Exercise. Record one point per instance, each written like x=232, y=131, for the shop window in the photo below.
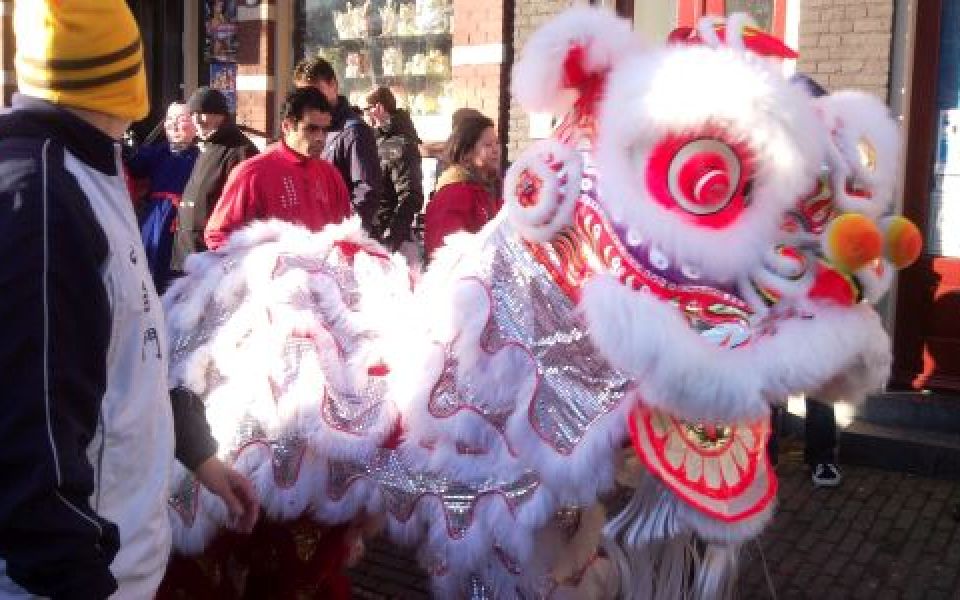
x=770, y=15
x=656, y=19
x=760, y=10
x=402, y=44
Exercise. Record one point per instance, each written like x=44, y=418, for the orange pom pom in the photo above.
x=903, y=241
x=851, y=242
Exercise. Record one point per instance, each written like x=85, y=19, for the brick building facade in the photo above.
x=847, y=44
x=480, y=55
x=528, y=16
x=256, y=65
x=842, y=44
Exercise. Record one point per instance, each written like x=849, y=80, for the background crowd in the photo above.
x=94, y=229
x=201, y=178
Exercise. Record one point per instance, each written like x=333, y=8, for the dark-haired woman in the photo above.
x=468, y=190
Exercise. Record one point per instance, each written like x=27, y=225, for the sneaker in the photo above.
x=826, y=475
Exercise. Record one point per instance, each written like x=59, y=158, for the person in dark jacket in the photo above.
x=88, y=430
x=468, y=191
x=166, y=164
x=351, y=144
x=222, y=147
x=398, y=146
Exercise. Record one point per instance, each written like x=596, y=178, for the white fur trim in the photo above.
x=683, y=374
x=537, y=81
x=854, y=116
x=876, y=285
x=663, y=93
x=557, y=197
x=734, y=30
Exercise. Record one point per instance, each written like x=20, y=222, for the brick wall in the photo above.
x=478, y=56
x=8, y=81
x=528, y=15
x=256, y=41
x=846, y=43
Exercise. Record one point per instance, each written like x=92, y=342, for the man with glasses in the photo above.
x=166, y=165
x=287, y=181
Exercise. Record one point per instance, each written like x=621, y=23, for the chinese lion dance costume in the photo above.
x=699, y=239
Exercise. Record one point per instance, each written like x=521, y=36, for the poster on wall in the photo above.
x=220, y=23
x=223, y=77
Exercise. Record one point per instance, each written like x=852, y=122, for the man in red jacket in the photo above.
x=286, y=182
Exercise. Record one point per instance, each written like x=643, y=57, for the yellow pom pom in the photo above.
x=851, y=241
x=903, y=241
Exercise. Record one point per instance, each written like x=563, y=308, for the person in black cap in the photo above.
x=222, y=147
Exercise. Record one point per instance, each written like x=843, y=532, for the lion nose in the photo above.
x=903, y=241
x=852, y=241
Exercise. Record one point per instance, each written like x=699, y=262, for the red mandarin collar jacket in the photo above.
x=279, y=184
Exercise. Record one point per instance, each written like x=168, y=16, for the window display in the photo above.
x=402, y=44
x=760, y=10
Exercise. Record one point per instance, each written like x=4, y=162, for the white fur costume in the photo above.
x=647, y=278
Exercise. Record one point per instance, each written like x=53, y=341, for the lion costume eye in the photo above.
x=703, y=177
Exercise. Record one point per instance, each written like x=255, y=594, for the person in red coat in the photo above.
x=289, y=181
x=468, y=190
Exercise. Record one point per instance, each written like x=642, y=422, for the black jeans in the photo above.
x=820, y=433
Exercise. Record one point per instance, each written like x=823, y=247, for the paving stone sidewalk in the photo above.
x=881, y=534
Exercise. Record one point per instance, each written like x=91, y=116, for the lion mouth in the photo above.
x=595, y=246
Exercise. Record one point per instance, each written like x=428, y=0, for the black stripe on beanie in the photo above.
x=76, y=64
x=81, y=84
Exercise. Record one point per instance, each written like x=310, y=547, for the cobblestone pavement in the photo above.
x=881, y=535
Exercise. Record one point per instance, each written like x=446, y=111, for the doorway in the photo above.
x=161, y=28
x=927, y=331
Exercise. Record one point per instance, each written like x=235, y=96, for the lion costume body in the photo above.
x=698, y=240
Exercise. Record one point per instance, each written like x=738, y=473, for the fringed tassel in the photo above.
x=717, y=575
x=660, y=557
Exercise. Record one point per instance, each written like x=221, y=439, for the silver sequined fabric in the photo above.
x=184, y=343
x=355, y=412
x=185, y=499
x=403, y=485
x=287, y=456
x=577, y=385
x=452, y=393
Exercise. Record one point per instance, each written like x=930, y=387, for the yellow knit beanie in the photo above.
x=81, y=53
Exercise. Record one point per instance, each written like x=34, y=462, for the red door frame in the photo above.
x=925, y=334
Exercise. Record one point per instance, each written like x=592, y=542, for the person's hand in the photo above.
x=234, y=489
